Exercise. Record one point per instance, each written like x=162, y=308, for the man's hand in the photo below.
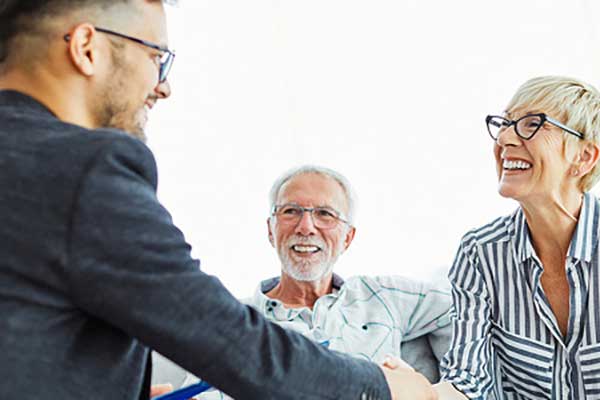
x=405, y=383
x=157, y=390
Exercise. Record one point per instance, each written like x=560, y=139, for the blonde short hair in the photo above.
x=574, y=103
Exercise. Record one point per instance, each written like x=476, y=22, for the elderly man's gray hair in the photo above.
x=314, y=169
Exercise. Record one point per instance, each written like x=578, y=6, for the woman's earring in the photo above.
x=575, y=172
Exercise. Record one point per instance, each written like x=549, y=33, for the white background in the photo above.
x=392, y=94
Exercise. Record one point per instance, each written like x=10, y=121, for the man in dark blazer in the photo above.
x=93, y=272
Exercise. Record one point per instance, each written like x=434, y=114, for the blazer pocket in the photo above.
x=525, y=364
x=589, y=359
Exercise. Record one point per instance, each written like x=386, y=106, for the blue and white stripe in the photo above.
x=506, y=342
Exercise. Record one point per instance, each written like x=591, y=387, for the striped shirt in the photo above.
x=506, y=341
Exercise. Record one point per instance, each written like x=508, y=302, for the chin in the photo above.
x=133, y=125
x=509, y=192
x=139, y=126
x=307, y=272
x=506, y=191
x=139, y=133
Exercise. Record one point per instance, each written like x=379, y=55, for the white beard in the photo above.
x=307, y=271
x=304, y=271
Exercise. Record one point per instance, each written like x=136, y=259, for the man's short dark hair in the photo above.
x=20, y=16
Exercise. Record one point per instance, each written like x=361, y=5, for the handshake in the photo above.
x=406, y=384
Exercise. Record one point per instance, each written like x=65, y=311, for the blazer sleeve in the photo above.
x=468, y=365
x=129, y=266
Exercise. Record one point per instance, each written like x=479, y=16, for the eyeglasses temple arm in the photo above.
x=564, y=127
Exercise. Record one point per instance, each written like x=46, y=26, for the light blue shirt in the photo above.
x=367, y=317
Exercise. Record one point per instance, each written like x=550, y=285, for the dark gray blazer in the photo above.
x=93, y=273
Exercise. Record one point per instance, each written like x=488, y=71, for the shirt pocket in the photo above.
x=589, y=360
x=525, y=364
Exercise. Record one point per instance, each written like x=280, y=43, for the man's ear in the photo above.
x=83, y=48
x=271, y=240
x=587, y=157
x=349, y=237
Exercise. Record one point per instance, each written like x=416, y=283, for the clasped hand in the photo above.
x=405, y=383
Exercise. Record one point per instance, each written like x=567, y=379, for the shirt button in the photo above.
x=273, y=304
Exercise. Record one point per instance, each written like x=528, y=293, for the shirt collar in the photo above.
x=584, y=240
x=269, y=284
x=520, y=231
x=267, y=305
x=22, y=102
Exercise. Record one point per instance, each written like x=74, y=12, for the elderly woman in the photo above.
x=526, y=287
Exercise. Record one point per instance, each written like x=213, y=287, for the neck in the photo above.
x=552, y=222
x=297, y=294
x=59, y=95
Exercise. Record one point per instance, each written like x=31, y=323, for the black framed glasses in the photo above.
x=167, y=57
x=525, y=127
x=322, y=217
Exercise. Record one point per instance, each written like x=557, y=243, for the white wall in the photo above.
x=392, y=94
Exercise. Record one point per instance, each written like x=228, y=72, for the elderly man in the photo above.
x=93, y=271
x=310, y=226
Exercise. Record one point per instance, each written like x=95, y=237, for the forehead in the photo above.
x=313, y=190
x=531, y=103
x=518, y=112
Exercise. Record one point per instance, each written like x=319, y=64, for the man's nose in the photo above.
x=163, y=89
x=306, y=225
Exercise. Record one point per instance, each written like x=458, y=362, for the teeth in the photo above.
x=506, y=164
x=305, y=249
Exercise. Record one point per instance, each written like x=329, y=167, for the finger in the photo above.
x=157, y=390
x=392, y=362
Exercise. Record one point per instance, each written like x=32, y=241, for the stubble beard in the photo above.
x=113, y=110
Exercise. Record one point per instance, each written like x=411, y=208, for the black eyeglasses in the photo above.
x=525, y=127
x=323, y=217
x=167, y=57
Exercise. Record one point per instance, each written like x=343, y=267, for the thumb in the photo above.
x=157, y=390
x=392, y=362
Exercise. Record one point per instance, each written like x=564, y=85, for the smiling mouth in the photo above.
x=515, y=165
x=305, y=248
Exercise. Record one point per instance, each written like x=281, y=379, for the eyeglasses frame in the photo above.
x=544, y=118
x=310, y=210
x=164, y=67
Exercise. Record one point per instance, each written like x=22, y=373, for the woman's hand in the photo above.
x=446, y=391
x=404, y=382
x=392, y=362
